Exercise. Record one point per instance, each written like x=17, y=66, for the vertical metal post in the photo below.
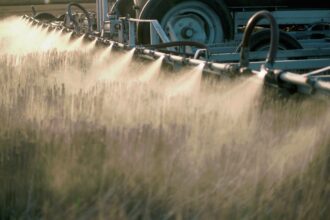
x=131, y=33
x=121, y=37
x=154, y=39
x=102, y=13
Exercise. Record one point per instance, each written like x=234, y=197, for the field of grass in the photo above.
x=38, y=2
x=76, y=143
x=55, y=9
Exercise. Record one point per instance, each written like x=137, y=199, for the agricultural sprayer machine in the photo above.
x=288, y=45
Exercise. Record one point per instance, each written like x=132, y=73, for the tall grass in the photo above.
x=73, y=146
x=35, y=2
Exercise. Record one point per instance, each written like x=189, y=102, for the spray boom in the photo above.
x=109, y=28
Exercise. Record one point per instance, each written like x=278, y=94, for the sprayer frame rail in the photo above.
x=308, y=83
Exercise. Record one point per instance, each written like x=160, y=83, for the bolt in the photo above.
x=187, y=33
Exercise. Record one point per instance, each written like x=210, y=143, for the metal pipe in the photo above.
x=101, y=13
x=324, y=86
x=301, y=80
x=294, y=78
x=318, y=71
x=195, y=62
x=176, y=58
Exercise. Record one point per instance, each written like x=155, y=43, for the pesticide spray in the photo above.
x=216, y=138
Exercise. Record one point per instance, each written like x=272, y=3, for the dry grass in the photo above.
x=19, y=7
x=76, y=147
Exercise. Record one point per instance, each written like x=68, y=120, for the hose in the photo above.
x=274, y=40
x=75, y=23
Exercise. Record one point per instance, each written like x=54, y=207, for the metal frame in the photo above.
x=284, y=16
x=308, y=83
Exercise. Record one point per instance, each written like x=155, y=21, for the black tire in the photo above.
x=261, y=39
x=157, y=9
x=126, y=7
x=44, y=16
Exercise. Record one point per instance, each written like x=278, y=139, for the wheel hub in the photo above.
x=187, y=27
x=187, y=32
x=193, y=21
